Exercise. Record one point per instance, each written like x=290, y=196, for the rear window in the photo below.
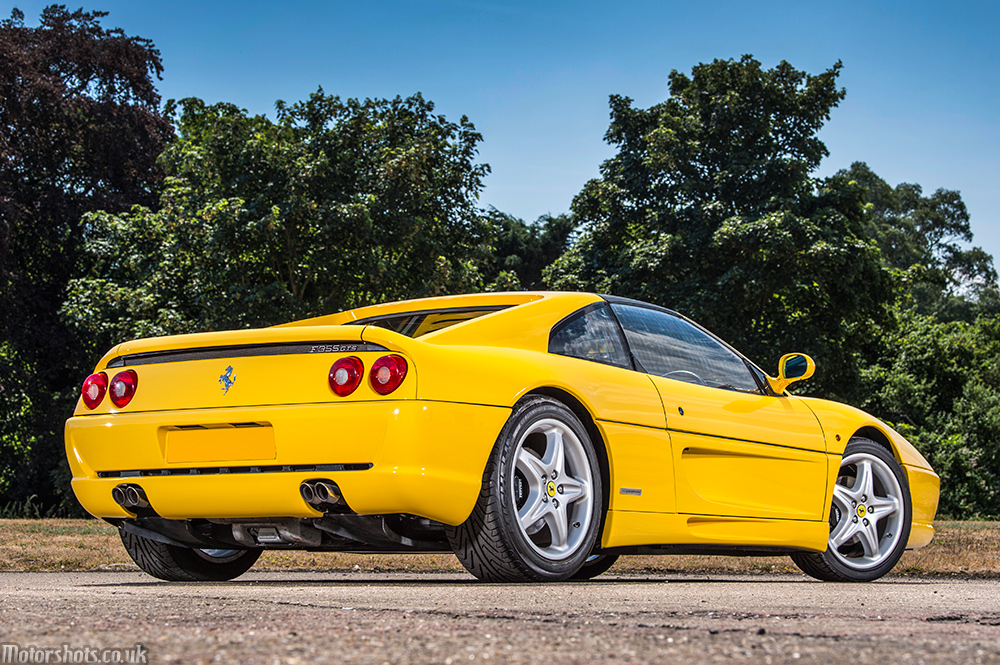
x=417, y=324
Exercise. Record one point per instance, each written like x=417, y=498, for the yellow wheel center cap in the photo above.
x=862, y=511
x=551, y=488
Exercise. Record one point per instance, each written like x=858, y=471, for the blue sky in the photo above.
x=922, y=78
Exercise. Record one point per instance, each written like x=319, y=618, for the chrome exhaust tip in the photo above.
x=136, y=497
x=129, y=497
x=320, y=493
x=327, y=492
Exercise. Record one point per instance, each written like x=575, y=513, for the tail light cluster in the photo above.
x=94, y=389
x=386, y=374
x=122, y=388
x=345, y=375
x=119, y=390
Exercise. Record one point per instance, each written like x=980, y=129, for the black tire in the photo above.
x=184, y=564
x=596, y=564
x=527, y=526
x=862, y=548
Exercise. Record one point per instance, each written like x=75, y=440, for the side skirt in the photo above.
x=635, y=529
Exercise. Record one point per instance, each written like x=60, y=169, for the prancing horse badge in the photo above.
x=227, y=379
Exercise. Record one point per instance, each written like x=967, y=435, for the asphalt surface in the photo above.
x=365, y=617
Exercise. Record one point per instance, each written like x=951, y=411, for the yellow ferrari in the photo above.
x=538, y=436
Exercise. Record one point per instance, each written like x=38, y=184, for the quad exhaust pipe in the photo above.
x=129, y=497
x=320, y=493
x=317, y=493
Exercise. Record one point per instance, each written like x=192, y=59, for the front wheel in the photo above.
x=869, y=519
x=184, y=564
x=539, y=510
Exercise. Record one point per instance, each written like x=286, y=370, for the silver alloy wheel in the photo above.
x=553, y=489
x=867, y=515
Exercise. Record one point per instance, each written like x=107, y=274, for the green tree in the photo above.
x=520, y=251
x=937, y=382
x=334, y=205
x=925, y=238
x=80, y=130
x=709, y=208
x=934, y=374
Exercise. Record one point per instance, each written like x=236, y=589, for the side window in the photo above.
x=590, y=334
x=669, y=346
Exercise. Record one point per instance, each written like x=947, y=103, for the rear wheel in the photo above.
x=869, y=519
x=184, y=564
x=539, y=510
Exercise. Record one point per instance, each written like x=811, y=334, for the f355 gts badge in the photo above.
x=227, y=379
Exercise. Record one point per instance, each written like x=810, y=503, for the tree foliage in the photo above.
x=520, y=252
x=925, y=238
x=709, y=208
x=934, y=374
x=336, y=204
x=937, y=382
x=80, y=130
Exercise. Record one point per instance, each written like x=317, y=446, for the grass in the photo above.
x=966, y=549
x=32, y=508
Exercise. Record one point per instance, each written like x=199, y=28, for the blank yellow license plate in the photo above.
x=220, y=444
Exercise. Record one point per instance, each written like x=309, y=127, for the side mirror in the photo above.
x=791, y=368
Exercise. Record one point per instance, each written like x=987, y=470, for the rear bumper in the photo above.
x=426, y=458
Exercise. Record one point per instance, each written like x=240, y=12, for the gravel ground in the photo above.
x=449, y=618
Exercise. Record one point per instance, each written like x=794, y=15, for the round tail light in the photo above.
x=345, y=375
x=387, y=373
x=94, y=389
x=122, y=388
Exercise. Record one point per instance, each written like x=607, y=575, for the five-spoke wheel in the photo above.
x=552, y=488
x=539, y=511
x=869, y=517
x=867, y=514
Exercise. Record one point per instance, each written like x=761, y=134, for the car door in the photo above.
x=737, y=450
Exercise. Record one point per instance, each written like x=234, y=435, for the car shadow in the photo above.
x=425, y=579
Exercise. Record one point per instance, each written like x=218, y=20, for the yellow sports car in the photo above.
x=537, y=435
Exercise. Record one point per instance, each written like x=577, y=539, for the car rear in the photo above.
x=231, y=425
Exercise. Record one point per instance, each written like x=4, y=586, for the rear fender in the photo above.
x=456, y=374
